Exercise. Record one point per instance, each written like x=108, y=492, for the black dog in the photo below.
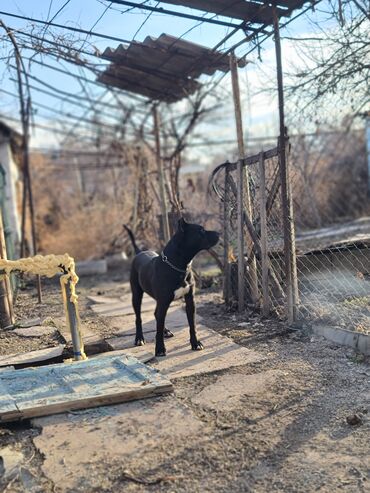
x=167, y=277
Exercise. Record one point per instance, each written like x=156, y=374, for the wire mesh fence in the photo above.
x=329, y=193
x=332, y=240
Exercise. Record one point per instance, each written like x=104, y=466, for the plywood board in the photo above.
x=64, y=387
x=181, y=361
x=32, y=356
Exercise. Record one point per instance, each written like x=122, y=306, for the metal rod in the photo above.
x=25, y=112
x=162, y=191
x=226, y=286
x=242, y=178
x=264, y=252
x=73, y=321
x=288, y=225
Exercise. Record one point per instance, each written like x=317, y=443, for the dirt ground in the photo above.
x=279, y=424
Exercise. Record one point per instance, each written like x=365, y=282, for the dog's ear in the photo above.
x=181, y=225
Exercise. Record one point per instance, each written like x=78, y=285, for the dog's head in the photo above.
x=193, y=238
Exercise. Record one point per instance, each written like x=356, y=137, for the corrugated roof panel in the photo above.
x=165, y=68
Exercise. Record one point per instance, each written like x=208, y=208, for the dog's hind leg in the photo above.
x=137, y=297
x=190, y=313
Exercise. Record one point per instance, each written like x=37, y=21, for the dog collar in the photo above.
x=166, y=261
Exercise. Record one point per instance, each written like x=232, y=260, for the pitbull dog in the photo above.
x=167, y=277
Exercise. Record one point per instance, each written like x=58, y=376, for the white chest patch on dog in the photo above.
x=180, y=292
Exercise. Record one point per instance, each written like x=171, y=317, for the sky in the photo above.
x=259, y=109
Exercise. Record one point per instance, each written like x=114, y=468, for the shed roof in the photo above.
x=259, y=12
x=163, y=69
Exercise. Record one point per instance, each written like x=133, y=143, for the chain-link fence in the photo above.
x=329, y=190
x=332, y=235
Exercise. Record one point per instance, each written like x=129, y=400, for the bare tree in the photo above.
x=334, y=63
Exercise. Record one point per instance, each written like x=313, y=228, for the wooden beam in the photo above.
x=264, y=252
x=242, y=179
x=162, y=190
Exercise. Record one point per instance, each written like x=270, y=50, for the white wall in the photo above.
x=11, y=179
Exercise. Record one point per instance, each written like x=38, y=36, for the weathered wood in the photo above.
x=162, y=191
x=65, y=387
x=6, y=298
x=248, y=161
x=287, y=208
x=256, y=244
x=264, y=253
x=242, y=179
x=226, y=286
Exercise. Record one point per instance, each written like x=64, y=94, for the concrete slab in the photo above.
x=91, y=267
x=75, y=446
x=29, y=323
x=32, y=356
x=219, y=352
x=35, y=331
x=356, y=340
x=228, y=391
x=102, y=299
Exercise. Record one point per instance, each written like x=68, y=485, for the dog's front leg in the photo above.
x=160, y=316
x=190, y=313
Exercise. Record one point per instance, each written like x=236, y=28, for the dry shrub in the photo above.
x=329, y=179
x=86, y=234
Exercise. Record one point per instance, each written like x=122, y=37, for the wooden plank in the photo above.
x=64, y=387
x=161, y=177
x=32, y=357
x=256, y=244
x=242, y=180
x=264, y=253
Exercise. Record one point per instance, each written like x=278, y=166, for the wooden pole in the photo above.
x=162, y=190
x=242, y=178
x=226, y=287
x=288, y=224
x=264, y=252
x=6, y=296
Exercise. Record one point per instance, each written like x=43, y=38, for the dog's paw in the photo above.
x=197, y=346
x=160, y=351
x=168, y=333
x=139, y=341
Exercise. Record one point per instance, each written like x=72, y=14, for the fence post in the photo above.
x=241, y=179
x=6, y=298
x=264, y=252
x=162, y=190
x=289, y=235
x=226, y=286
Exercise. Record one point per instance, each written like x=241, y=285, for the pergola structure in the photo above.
x=165, y=69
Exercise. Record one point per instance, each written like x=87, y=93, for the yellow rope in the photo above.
x=46, y=265
x=49, y=266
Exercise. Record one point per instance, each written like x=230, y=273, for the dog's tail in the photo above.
x=132, y=238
